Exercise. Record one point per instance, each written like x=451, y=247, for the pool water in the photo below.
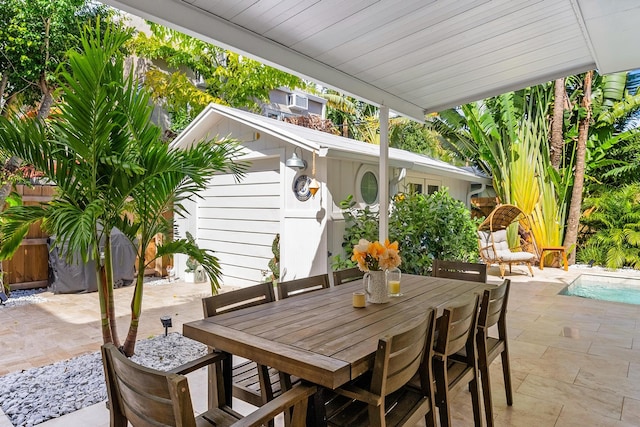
x=605, y=288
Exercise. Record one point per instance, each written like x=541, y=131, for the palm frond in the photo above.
x=205, y=257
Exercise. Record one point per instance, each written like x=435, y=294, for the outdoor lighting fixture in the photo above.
x=296, y=162
x=166, y=322
x=314, y=185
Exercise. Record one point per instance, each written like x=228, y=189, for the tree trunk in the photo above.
x=571, y=235
x=136, y=308
x=557, y=136
x=47, y=99
x=3, y=87
x=107, y=277
x=103, y=299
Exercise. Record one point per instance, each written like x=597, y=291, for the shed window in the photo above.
x=367, y=185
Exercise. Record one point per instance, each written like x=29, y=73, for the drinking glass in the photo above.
x=393, y=282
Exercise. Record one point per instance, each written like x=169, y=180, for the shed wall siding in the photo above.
x=240, y=220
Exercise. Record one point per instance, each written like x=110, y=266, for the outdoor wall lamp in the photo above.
x=166, y=322
x=296, y=162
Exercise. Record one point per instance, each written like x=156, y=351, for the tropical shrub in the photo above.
x=614, y=220
x=426, y=227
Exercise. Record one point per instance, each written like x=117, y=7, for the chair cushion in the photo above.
x=501, y=245
x=509, y=256
x=487, y=244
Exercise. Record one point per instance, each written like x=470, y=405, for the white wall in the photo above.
x=304, y=244
x=255, y=211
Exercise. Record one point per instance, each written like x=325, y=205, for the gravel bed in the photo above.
x=24, y=297
x=36, y=395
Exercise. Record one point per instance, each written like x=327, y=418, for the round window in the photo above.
x=369, y=187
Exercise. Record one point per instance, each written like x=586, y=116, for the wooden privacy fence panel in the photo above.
x=29, y=267
x=482, y=206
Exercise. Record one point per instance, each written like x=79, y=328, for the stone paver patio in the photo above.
x=575, y=362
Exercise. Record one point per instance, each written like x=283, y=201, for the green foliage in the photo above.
x=410, y=224
x=426, y=227
x=416, y=137
x=359, y=224
x=34, y=38
x=274, y=263
x=356, y=115
x=435, y=226
x=614, y=220
x=229, y=78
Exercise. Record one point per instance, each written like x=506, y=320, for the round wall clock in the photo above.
x=301, y=188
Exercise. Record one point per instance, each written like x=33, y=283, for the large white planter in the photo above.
x=195, y=276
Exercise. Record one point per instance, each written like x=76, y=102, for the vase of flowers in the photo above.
x=374, y=258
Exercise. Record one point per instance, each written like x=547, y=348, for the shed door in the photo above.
x=240, y=220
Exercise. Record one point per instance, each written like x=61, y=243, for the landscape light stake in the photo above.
x=166, y=322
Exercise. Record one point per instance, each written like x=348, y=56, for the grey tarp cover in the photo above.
x=77, y=276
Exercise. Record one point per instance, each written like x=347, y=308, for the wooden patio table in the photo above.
x=319, y=336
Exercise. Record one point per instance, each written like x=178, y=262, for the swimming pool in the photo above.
x=605, y=288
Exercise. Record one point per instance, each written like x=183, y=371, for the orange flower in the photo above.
x=375, y=255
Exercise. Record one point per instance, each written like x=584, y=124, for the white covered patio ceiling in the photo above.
x=414, y=56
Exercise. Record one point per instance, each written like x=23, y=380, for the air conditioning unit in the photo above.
x=298, y=102
x=200, y=82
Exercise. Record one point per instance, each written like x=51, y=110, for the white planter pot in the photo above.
x=195, y=276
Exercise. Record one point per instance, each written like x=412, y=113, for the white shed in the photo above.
x=239, y=220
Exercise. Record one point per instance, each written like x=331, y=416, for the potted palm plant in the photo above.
x=190, y=270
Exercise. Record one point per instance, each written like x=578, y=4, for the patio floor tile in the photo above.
x=574, y=361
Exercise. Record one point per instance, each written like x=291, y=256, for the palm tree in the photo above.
x=106, y=157
x=171, y=176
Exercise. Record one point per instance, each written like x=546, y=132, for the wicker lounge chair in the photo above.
x=493, y=244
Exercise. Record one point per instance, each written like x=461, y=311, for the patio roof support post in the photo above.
x=384, y=180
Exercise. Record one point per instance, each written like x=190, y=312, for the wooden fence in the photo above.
x=29, y=266
x=482, y=206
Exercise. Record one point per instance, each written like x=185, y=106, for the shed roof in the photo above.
x=324, y=144
x=415, y=56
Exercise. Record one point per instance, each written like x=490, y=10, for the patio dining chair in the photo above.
x=453, y=368
x=302, y=286
x=250, y=382
x=493, y=311
x=148, y=397
x=470, y=271
x=347, y=275
x=384, y=397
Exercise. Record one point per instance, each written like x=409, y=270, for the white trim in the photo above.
x=383, y=182
x=325, y=144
